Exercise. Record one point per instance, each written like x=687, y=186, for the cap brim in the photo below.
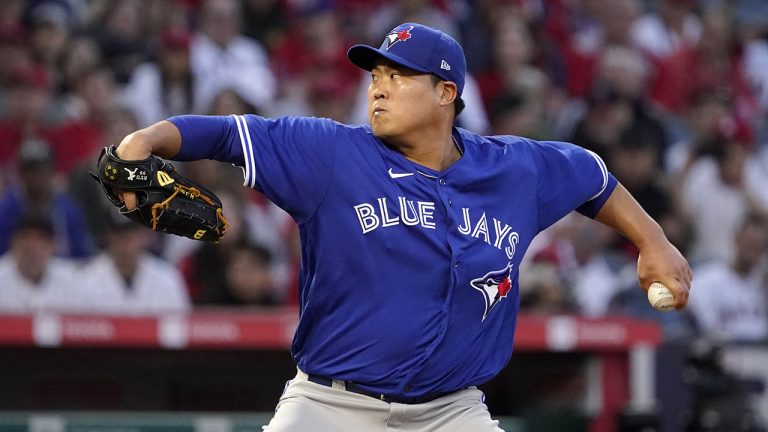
x=364, y=57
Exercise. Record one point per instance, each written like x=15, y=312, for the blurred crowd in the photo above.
x=673, y=94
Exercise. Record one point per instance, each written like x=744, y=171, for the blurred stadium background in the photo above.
x=106, y=327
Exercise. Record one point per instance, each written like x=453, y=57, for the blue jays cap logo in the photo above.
x=397, y=35
x=494, y=286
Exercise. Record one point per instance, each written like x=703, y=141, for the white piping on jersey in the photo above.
x=250, y=151
x=246, y=170
x=603, y=170
x=458, y=147
x=461, y=153
x=242, y=129
x=247, y=150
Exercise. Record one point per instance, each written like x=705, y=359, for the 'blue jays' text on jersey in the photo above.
x=409, y=276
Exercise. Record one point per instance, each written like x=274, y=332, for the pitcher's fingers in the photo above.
x=681, y=295
x=130, y=199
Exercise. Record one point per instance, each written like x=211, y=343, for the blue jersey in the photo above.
x=409, y=276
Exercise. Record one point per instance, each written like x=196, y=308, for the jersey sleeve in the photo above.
x=289, y=159
x=570, y=178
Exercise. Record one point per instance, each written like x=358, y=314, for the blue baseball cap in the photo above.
x=420, y=48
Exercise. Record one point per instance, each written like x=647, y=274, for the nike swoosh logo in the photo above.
x=395, y=175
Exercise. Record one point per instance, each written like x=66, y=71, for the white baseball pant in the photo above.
x=310, y=407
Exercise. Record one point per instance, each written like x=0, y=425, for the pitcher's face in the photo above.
x=400, y=100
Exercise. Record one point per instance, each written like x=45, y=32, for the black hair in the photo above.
x=262, y=254
x=34, y=223
x=504, y=103
x=458, y=103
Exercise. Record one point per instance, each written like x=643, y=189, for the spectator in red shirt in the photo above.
x=29, y=96
x=75, y=139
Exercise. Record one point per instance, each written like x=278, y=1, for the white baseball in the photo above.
x=660, y=297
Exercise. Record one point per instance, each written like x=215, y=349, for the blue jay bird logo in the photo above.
x=494, y=286
x=396, y=36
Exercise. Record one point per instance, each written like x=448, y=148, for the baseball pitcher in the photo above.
x=412, y=233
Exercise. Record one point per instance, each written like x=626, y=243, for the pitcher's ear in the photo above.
x=449, y=93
